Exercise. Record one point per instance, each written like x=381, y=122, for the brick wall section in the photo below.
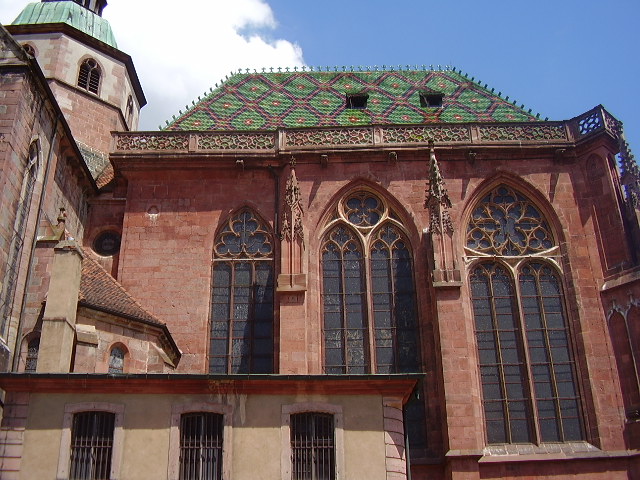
x=14, y=422
x=396, y=455
x=165, y=262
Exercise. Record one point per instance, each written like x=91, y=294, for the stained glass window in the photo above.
x=33, y=348
x=529, y=385
x=116, y=360
x=241, y=335
x=376, y=333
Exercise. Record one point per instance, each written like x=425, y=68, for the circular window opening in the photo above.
x=107, y=244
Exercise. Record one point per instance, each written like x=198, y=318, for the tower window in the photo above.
x=357, y=101
x=89, y=76
x=431, y=99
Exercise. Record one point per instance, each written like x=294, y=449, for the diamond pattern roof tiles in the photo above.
x=272, y=100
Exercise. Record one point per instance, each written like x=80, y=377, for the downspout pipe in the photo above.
x=34, y=241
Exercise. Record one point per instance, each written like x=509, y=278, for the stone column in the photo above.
x=59, y=320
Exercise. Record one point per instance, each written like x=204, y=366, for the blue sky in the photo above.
x=560, y=58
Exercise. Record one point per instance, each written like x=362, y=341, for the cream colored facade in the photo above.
x=256, y=433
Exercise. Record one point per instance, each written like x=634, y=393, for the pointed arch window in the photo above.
x=241, y=336
x=89, y=76
x=529, y=384
x=368, y=293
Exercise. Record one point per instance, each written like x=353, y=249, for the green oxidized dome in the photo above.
x=70, y=13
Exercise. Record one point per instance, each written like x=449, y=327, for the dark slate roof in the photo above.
x=285, y=99
x=101, y=291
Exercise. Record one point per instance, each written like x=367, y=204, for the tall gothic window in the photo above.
x=242, y=297
x=368, y=293
x=527, y=370
x=89, y=76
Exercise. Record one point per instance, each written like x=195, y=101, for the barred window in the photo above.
x=116, y=360
x=91, y=445
x=89, y=76
x=529, y=384
x=241, y=339
x=313, y=455
x=201, y=436
x=376, y=333
x=33, y=348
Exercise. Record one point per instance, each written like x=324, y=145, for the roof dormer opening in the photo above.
x=431, y=99
x=357, y=100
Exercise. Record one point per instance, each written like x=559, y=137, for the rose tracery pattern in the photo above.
x=363, y=209
x=244, y=236
x=507, y=223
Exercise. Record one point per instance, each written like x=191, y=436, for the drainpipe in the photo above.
x=34, y=241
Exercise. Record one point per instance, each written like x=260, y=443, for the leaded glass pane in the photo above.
x=344, y=301
x=503, y=372
x=242, y=298
x=363, y=209
x=550, y=354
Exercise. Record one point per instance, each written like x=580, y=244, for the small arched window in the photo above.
x=116, y=360
x=129, y=110
x=89, y=76
x=529, y=383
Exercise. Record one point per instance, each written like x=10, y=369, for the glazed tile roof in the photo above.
x=70, y=13
x=285, y=99
x=100, y=290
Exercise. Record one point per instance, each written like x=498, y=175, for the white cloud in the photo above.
x=181, y=49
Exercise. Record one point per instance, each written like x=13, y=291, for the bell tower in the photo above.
x=95, y=83
x=96, y=6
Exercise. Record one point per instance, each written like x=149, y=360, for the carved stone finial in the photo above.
x=437, y=198
x=293, y=210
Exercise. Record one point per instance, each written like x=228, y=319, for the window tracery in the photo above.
x=89, y=76
x=241, y=335
x=529, y=384
x=369, y=307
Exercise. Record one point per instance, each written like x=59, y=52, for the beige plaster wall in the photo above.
x=256, y=433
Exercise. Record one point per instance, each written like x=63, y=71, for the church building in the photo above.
x=309, y=274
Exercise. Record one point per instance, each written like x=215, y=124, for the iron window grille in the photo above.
x=241, y=336
x=33, y=348
x=529, y=385
x=201, y=436
x=89, y=76
x=91, y=445
x=368, y=293
x=313, y=455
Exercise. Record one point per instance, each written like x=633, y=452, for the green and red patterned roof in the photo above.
x=291, y=99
